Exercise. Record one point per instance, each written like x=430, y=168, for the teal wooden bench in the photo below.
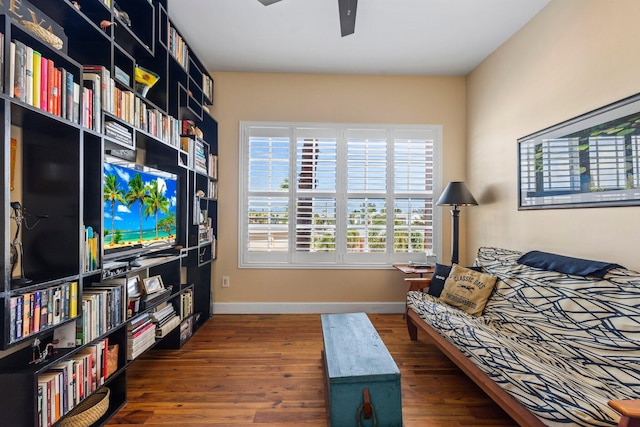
x=362, y=382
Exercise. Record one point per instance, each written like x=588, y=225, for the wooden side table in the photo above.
x=408, y=269
x=416, y=283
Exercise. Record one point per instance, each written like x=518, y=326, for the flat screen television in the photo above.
x=140, y=209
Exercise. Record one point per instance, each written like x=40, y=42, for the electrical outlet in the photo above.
x=225, y=281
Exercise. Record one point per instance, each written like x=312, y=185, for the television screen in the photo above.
x=139, y=209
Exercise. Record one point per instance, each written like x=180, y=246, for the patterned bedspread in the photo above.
x=562, y=345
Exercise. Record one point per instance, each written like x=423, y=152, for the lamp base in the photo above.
x=20, y=282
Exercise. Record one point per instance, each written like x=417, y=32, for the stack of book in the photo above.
x=186, y=329
x=118, y=132
x=155, y=297
x=199, y=157
x=141, y=334
x=165, y=318
x=205, y=233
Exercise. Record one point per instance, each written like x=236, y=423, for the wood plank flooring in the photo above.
x=241, y=370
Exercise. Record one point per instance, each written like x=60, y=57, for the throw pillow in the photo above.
x=566, y=264
x=440, y=274
x=468, y=290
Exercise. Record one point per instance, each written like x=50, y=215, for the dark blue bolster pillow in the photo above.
x=566, y=264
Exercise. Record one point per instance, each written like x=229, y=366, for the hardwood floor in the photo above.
x=266, y=370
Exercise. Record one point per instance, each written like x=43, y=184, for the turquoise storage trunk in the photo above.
x=355, y=359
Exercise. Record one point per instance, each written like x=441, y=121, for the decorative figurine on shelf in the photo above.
x=17, y=252
x=124, y=16
x=41, y=355
x=104, y=24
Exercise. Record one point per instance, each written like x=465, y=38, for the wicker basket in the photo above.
x=88, y=411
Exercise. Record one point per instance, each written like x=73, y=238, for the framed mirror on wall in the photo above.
x=592, y=160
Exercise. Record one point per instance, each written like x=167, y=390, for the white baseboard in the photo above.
x=306, y=307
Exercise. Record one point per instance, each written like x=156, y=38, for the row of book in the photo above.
x=165, y=318
x=186, y=304
x=34, y=311
x=154, y=122
x=62, y=387
x=213, y=166
x=123, y=104
x=213, y=190
x=178, y=48
x=91, y=250
x=103, y=308
x=141, y=334
x=207, y=86
x=37, y=81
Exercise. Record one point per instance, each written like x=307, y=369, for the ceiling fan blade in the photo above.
x=268, y=2
x=347, y=16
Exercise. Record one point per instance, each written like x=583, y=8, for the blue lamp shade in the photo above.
x=457, y=194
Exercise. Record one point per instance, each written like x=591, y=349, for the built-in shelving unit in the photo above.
x=72, y=312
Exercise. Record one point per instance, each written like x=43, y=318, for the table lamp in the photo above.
x=456, y=194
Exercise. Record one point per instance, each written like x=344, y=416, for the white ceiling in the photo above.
x=392, y=37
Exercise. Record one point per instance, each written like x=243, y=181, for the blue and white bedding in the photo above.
x=562, y=345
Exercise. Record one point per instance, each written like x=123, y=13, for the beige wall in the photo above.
x=323, y=98
x=573, y=57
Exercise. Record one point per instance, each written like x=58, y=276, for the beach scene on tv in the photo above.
x=139, y=208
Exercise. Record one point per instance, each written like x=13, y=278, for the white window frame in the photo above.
x=340, y=259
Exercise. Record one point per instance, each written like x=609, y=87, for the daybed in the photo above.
x=550, y=348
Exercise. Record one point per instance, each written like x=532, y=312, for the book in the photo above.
x=44, y=308
x=69, y=96
x=44, y=83
x=12, y=66
x=62, y=103
x=26, y=315
x=35, y=90
x=73, y=299
x=51, y=78
x=77, y=95
x=29, y=76
x=36, y=311
x=19, y=84
x=65, y=336
x=2, y=62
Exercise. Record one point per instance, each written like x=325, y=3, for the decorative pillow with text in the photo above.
x=440, y=274
x=467, y=290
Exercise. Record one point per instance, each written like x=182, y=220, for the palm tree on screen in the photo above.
x=136, y=193
x=155, y=202
x=112, y=194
